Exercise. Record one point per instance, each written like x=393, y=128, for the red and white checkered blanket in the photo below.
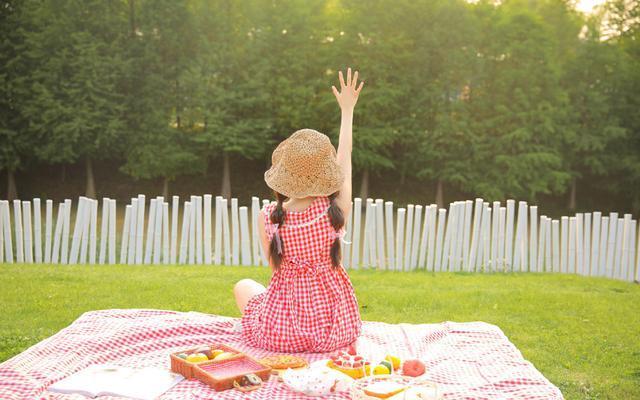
x=469, y=360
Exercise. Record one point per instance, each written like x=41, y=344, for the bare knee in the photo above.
x=242, y=285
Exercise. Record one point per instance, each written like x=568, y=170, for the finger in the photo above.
x=360, y=87
x=341, y=79
x=348, y=76
x=354, y=83
x=335, y=91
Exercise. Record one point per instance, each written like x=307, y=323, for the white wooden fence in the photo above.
x=468, y=236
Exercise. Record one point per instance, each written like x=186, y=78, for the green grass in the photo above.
x=582, y=333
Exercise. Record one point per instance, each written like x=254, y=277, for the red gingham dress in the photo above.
x=309, y=306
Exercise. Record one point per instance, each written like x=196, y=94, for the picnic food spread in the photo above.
x=223, y=367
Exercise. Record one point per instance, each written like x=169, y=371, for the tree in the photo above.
x=160, y=45
x=75, y=109
x=591, y=80
x=17, y=141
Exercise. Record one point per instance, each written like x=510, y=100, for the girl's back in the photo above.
x=309, y=305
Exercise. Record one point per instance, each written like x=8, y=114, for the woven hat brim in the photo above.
x=293, y=185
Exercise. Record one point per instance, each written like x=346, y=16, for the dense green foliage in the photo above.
x=512, y=98
x=581, y=333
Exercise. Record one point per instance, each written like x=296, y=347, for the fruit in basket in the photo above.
x=223, y=356
x=381, y=369
x=197, y=357
x=387, y=364
x=395, y=361
x=413, y=368
x=206, y=350
x=183, y=356
x=215, y=353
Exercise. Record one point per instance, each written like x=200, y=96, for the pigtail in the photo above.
x=276, y=246
x=336, y=218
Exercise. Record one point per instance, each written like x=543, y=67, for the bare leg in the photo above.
x=244, y=290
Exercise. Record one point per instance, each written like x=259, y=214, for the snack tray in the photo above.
x=220, y=374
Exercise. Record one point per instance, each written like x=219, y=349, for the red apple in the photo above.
x=413, y=368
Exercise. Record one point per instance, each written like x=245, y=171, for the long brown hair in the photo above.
x=336, y=218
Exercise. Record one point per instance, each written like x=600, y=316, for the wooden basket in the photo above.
x=186, y=368
x=221, y=375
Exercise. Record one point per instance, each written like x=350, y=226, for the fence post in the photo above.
x=355, y=250
x=461, y=222
x=388, y=213
x=28, y=237
x=133, y=227
x=124, y=244
x=217, y=240
x=85, y=236
x=93, y=227
x=508, y=243
x=104, y=221
x=579, y=244
x=631, y=249
x=408, y=237
x=446, y=249
x=150, y=230
x=191, y=233
x=17, y=217
x=543, y=234
x=495, y=220
x=555, y=228
x=235, y=232
x=564, y=245
x=371, y=236
x=6, y=218
x=366, y=253
x=112, y=231
x=400, y=239
x=586, y=247
x=604, y=242
x=226, y=231
x=572, y=245
x=175, y=209
x=207, y=229
x=2, y=224
x=475, y=238
x=255, y=235
x=486, y=238
x=57, y=235
x=245, y=247
x=502, y=217
x=595, y=244
x=37, y=230
x=77, y=232
x=48, y=227
x=140, y=228
x=184, y=234
x=199, y=230
x=425, y=237
x=442, y=216
x=533, y=238
x=166, y=257
x=65, y=231
x=611, y=242
x=382, y=264
x=158, y=228
x=618, y=248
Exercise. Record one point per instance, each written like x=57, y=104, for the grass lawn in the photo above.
x=582, y=333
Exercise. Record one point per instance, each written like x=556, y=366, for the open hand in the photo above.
x=348, y=95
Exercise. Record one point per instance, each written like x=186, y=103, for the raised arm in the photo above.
x=347, y=98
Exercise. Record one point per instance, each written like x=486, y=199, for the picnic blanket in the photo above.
x=472, y=360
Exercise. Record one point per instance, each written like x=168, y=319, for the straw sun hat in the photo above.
x=305, y=165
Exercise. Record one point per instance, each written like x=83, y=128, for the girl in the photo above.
x=310, y=305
